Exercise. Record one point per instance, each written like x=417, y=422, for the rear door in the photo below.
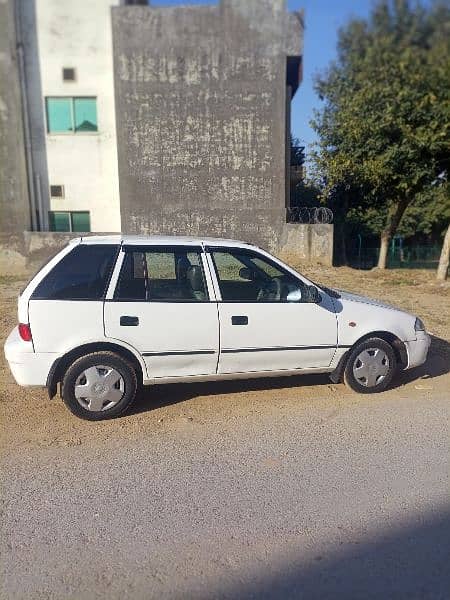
x=162, y=307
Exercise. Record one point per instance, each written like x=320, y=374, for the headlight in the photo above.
x=419, y=325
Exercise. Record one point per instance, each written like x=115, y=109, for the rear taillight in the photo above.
x=25, y=332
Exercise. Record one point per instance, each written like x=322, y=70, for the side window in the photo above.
x=162, y=275
x=245, y=276
x=66, y=220
x=228, y=267
x=83, y=274
x=71, y=114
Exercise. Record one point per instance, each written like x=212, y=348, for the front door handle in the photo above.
x=127, y=321
x=239, y=320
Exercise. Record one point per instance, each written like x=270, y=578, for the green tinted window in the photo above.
x=81, y=221
x=85, y=114
x=71, y=115
x=69, y=221
x=59, y=221
x=59, y=115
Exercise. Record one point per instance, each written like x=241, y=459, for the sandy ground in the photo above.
x=292, y=488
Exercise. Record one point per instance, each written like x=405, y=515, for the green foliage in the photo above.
x=428, y=213
x=384, y=130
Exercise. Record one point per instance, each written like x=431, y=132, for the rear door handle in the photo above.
x=239, y=320
x=127, y=321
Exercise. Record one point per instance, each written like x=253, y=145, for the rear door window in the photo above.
x=83, y=274
x=162, y=275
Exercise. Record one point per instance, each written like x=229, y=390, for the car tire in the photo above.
x=98, y=386
x=371, y=366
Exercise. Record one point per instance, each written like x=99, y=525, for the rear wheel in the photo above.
x=370, y=366
x=98, y=386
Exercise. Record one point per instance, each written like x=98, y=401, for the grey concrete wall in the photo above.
x=35, y=103
x=14, y=204
x=201, y=117
x=22, y=254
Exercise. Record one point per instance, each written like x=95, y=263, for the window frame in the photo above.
x=238, y=250
x=158, y=249
x=72, y=99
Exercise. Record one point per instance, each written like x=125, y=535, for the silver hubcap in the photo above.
x=371, y=367
x=99, y=388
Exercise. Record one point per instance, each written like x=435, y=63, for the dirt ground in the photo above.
x=413, y=290
x=273, y=488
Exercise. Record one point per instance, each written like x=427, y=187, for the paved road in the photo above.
x=230, y=491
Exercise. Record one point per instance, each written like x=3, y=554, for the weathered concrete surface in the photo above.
x=307, y=243
x=201, y=117
x=14, y=205
x=23, y=253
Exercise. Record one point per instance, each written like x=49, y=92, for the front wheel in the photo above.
x=98, y=386
x=370, y=366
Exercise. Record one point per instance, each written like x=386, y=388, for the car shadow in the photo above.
x=157, y=396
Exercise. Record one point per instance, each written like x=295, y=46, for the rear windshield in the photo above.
x=83, y=274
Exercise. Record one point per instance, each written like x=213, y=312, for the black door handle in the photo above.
x=239, y=320
x=127, y=321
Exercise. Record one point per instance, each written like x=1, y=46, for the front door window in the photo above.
x=245, y=276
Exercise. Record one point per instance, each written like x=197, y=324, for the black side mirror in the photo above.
x=314, y=295
x=246, y=273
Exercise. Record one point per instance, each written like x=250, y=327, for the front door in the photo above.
x=267, y=321
x=161, y=307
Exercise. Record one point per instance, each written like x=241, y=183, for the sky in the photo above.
x=322, y=20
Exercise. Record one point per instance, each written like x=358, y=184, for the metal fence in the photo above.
x=409, y=257
x=309, y=215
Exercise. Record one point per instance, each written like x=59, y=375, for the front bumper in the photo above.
x=417, y=350
x=28, y=367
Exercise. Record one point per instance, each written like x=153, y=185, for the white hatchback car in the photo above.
x=109, y=313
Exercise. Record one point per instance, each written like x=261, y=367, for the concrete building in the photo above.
x=137, y=118
x=15, y=215
x=69, y=82
x=203, y=103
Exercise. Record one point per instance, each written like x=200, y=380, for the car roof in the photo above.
x=159, y=240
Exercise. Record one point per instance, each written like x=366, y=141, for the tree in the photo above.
x=441, y=274
x=427, y=214
x=384, y=130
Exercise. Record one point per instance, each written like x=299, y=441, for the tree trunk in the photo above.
x=441, y=274
x=384, y=247
x=395, y=215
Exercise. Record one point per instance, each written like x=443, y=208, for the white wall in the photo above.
x=77, y=33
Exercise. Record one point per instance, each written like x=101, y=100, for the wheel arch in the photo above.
x=398, y=346
x=62, y=363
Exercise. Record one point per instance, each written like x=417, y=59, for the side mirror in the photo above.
x=246, y=273
x=294, y=296
x=313, y=295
